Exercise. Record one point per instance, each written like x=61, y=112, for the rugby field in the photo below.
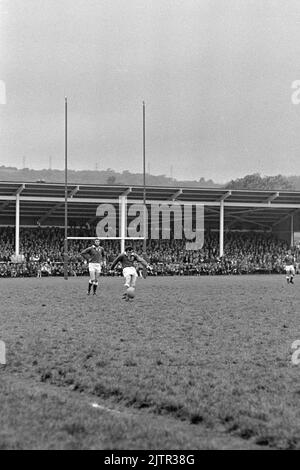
x=191, y=363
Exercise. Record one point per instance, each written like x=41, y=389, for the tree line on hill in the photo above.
x=256, y=181
x=109, y=176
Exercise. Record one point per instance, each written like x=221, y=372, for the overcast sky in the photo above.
x=216, y=76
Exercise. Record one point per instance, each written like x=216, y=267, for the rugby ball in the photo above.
x=131, y=292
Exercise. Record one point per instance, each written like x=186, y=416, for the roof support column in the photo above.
x=221, y=229
x=123, y=201
x=221, y=233
x=292, y=229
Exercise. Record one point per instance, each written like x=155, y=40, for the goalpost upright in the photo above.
x=66, y=193
x=144, y=180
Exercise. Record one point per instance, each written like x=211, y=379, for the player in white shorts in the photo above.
x=290, y=267
x=127, y=259
x=95, y=256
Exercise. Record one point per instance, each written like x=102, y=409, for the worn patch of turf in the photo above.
x=205, y=353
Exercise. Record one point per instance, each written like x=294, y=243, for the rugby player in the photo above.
x=128, y=260
x=289, y=261
x=95, y=256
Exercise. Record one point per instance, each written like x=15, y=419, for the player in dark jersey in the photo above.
x=128, y=260
x=289, y=262
x=95, y=256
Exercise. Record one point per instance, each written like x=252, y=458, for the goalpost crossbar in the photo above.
x=106, y=238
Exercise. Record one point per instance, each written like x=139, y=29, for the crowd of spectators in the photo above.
x=42, y=252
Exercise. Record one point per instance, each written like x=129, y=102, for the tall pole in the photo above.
x=66, y=193
x=144, y=180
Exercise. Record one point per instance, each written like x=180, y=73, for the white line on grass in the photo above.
x=104, y=408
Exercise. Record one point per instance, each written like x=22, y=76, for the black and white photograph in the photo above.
x=150, y=227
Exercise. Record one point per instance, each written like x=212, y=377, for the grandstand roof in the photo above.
x=44, y=202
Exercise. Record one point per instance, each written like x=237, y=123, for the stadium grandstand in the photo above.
x=245, y=230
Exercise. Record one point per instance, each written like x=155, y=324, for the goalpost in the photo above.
x=123, y=217
x=122, y=239
x=66, y=193
x=107, y=238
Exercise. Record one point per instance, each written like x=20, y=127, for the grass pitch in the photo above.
x=191, y=363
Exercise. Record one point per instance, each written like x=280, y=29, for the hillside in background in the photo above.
x=108, y=176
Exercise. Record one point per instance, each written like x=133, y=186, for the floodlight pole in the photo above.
x=66, y=193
